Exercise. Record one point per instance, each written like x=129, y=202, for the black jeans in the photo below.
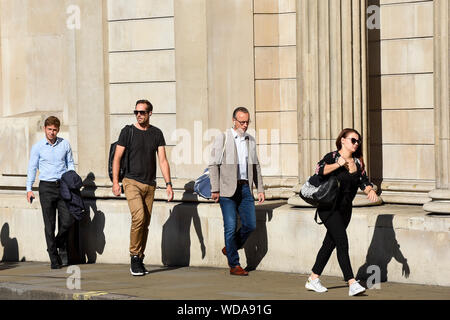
x=336, y=237
x=50, y=201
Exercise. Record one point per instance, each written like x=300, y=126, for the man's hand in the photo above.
x=169, y=191
x=30, y=195
x=116, y=190
x=261, y=197
x=215, y=196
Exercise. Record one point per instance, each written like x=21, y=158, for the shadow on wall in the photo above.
x=257, y=245
x=383, y=248
x=176, y=238
x=92, y=236
x=10, y=249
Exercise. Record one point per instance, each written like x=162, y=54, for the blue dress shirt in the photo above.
x=52, y=161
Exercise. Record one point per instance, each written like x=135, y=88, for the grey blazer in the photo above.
x=223, y=172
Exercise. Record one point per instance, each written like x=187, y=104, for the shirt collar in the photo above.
x=58, y=140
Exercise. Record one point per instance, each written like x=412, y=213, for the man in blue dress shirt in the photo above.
x=52, y=156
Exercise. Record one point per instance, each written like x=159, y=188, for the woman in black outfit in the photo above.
x=348, y=166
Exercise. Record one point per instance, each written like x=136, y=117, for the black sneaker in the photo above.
x=136, y=267
x=143, y=266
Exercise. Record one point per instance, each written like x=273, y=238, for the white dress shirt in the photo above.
x=242, y=150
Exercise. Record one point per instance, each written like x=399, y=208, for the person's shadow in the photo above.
x=10, y=249
x=176, y=234
x=383, y=248
x=92, y=236
x=256, y=246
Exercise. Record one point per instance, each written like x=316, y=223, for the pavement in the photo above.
x=36, y=281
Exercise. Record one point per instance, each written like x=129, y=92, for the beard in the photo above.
x=240, y=132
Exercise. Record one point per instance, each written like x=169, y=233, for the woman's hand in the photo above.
x=372, y=196
x=341, y=161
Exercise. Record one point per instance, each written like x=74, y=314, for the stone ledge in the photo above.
x=286, y=239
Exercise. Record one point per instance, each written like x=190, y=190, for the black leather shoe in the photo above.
x=55, y=266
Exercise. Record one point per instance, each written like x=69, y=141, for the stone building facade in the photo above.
x=304, y=68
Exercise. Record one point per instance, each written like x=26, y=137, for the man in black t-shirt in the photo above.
x=139, y=183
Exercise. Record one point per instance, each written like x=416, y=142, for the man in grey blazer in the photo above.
x=234, y=167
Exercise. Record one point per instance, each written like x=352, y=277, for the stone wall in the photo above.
x=401, y=108
x=407, y=245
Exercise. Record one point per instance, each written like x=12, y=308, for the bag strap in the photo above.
x=127, y=150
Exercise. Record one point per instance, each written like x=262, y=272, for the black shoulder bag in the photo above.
x=125, y=161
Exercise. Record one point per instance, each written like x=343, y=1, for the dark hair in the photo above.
x=52, y=121
x=149, y=105
x=240, y=109
x=358, y=153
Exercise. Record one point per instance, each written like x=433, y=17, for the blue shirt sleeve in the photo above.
x=33, y=165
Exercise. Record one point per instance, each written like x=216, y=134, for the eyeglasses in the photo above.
x=141, y=112
x=353, y=140
x=243, y=122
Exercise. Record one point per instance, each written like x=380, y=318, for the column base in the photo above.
x=440, y=202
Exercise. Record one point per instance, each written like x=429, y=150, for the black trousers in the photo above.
x=50, y=201
x=336, y=237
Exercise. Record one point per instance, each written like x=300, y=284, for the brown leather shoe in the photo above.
x=224, y=251
x=238, y=271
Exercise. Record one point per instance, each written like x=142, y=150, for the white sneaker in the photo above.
x=355, y=288
x=315, y=285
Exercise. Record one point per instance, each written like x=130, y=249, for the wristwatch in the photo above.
x=169, y=184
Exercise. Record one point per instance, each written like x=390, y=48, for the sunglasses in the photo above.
x=354, y=141
x=141, y=112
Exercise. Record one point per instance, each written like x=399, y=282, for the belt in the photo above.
x=241, y=182
x=53, y=183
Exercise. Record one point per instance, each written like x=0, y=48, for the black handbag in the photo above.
x=320, y=191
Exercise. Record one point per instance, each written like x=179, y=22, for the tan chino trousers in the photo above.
x=140, y=201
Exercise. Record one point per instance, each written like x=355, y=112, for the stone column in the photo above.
x=331, y=77
x=441, y=195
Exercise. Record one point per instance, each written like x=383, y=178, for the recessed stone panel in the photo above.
x=414, y=162
x=402, y=56
x=142, y=66
x=124, y=96
x=139, y=9
x=275, y=30
x=274, y=6
x=407, y=20
x=275, y=63
x=289, y=160
x=401, y=91
x=141, y=34
x=276, y=95
x=408, y=126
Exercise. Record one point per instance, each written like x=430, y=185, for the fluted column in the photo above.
x=441, y=195
x=331, y=77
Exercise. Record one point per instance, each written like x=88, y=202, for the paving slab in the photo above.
x=35, y=280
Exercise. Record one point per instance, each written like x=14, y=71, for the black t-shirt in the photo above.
x=142, y=152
